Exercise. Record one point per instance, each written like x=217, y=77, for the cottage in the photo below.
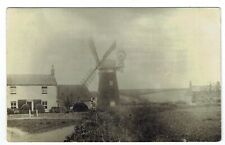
x=32, y=89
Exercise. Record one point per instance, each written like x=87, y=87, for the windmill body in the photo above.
x=108, y=86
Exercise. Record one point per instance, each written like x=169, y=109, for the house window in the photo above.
x=44, y=89
x=13, y=90
x=45, y=104
x=13, y=104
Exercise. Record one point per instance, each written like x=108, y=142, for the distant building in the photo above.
x=32, y=89
x=207, y=94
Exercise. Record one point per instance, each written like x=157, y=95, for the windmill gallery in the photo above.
x=33, y=90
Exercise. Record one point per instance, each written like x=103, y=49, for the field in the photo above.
x=189, y=123
x=169, y=115
x=156, y=96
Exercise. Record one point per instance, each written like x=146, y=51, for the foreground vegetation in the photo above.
x=146, y=122
x=152, y=123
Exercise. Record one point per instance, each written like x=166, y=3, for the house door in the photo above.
x=30, y=105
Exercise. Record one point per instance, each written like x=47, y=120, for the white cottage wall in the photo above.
x=31, y=93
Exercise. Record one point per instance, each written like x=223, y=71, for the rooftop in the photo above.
x=31, y=79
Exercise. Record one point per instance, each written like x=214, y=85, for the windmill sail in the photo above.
x=109, y=51
x=89, y=76
x=94, y=51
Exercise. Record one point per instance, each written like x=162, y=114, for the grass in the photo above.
x=40, y=125
x=199, y=123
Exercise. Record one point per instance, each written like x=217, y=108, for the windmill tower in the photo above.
x=108, y=86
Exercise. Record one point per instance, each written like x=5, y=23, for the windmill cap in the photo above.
x=108, y=64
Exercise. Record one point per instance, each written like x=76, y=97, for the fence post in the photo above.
x=29, y=113
x=37, y=113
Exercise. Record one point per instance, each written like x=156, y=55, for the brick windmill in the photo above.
x=107, y=68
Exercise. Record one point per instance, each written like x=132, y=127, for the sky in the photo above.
x=165, y=47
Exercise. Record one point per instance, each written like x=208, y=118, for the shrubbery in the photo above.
x=10, y=111
x=25, y=108
x=96, y=127
x=80, y=107
x=91, y=131
x=58, y=110
x=40, y=108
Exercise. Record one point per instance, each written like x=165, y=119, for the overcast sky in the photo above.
x=165, y=47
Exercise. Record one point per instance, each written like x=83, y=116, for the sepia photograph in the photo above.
x=82, y=74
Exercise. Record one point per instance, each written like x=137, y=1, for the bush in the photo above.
x=58, y=110
x=40, y=108
x=63, y=109
x=80, y=107
x=54, y=110
x=25, y=108
x=10, y=111
x=16, y=111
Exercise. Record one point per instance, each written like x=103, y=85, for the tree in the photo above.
x=40, y=108
x=25, y=108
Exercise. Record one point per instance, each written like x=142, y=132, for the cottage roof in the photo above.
x=31, y=79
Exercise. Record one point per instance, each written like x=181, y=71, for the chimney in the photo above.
x=53, y=71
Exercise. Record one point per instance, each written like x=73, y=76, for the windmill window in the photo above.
x=45, y=104
x=44, y=89
x=13, y=90
x=13, y=104
x=111, y=83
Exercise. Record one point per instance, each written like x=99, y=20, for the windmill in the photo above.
x=107, y=68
